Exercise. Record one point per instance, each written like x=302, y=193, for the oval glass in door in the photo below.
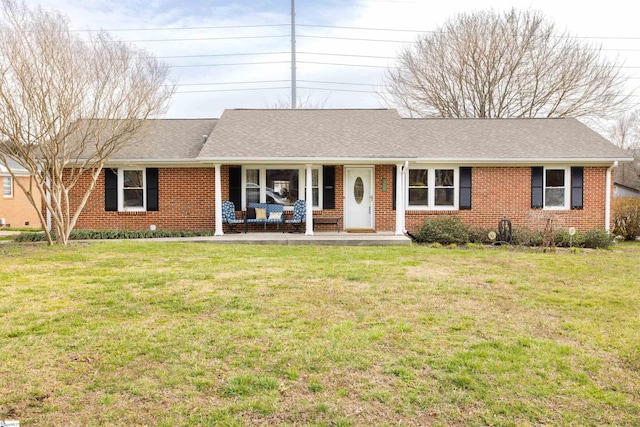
x=358, y=190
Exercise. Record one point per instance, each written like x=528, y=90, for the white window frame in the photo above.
x=567, y=188
x=8, y=179
x=121, y=206
x=431, y=188
x=302, y=176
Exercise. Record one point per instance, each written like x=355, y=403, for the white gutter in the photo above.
x=405, y=173
x=607, y=201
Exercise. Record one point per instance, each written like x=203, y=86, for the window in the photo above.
x=419, y=187
x=433, y=188
x=283, y=186
x=253, y=185
x=315, y=188
x=131, y=186
x=134, y=190
x=444, y=190
x=555, y=188
x=7, y=186
x=279, y=185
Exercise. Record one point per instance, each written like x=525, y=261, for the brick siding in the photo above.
x=187, y=202
x=16, y=210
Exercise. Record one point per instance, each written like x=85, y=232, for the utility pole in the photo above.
x=293, y=54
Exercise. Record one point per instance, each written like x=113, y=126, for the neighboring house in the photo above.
x=374, y=169
x=15, y=209
x=621, y=190
x=627, y=183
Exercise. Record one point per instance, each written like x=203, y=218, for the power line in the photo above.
x=228, y=64
x=230, y=83
x=344, y=65
x=335, y=83
x=353, y=38
x=217, y=27
x=232, y=90
x=400, y=30
x=345, y=54
x=220, y=55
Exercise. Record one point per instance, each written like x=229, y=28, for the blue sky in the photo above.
x=235, y=54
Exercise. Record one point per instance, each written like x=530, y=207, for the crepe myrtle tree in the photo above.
x=511, y=64
x=67, y=104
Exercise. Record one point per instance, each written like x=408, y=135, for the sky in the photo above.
x=237, y=54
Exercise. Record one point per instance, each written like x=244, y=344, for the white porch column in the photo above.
x=309, y=198
x=218, y=201
x=399, y=200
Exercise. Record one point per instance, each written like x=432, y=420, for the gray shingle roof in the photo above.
x=377, y=134
x=299, y=135
x=167, y=139
x=507, y=139
x=287, y=134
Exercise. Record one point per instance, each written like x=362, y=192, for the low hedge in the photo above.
x=113, y=234
x=448, y=230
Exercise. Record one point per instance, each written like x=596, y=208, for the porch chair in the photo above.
x=299, y=216
x=229, y=216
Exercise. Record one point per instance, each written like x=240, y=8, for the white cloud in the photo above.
x=613, y=19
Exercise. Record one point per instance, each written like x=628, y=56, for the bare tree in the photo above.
x=68, y=104
x=625, y=130
x=625, y=133
x=514, y=64
x=301, y=103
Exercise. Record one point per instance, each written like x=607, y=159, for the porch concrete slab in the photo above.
x=318, y=238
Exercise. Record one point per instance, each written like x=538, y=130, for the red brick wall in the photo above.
x=506, y=191
x=187, y=202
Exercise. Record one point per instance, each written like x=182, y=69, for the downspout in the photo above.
x=607, y=202
x=405, y=171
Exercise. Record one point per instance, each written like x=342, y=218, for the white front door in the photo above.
x=358, y=202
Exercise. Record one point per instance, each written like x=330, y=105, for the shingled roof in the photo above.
x=365, y=134
x=507, y=140
x=312, y=134
x=382, y=134
x=168, y=139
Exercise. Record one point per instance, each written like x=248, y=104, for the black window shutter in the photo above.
x=577, y=178
x=110, y=189
x=152, y=189
x=393, y=186
x=465, y=188
x=235, y=186
x=537, y=190
x=329, y=187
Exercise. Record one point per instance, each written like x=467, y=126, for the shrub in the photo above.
x=564, y=240
x=445, y=230
x=112, y=234
x=480, y=235
x=598, y=238
x=526, y=237
x=626, y=218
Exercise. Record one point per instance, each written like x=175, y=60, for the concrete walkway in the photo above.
x=318, y=238
x=279, y=238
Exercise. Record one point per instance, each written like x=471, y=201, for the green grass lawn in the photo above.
x=171, y=334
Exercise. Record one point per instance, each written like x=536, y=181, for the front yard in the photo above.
x=167, y=334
